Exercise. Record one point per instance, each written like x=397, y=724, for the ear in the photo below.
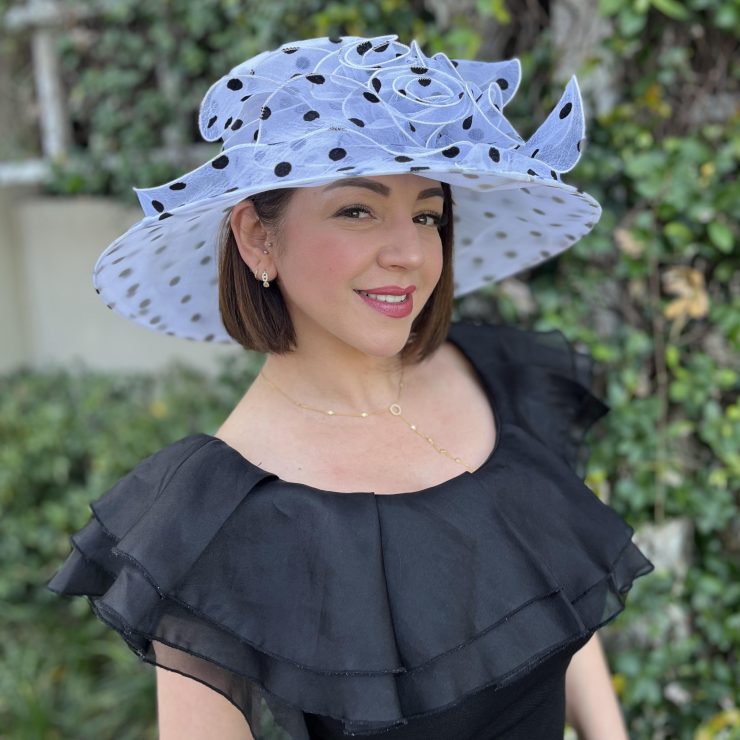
x=251, y=237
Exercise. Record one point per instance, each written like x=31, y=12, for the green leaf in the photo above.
x=721, y=236
x=672, y=9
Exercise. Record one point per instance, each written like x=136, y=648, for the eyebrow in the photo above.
x=378, y=187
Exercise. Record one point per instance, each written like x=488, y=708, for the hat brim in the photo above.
x=162, y=273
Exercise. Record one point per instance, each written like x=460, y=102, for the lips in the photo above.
x=388, y=290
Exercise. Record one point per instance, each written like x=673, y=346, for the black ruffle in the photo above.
x=370, y=609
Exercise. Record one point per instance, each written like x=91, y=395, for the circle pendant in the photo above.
x=395, y=409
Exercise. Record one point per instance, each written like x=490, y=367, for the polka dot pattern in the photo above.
x=314, y=111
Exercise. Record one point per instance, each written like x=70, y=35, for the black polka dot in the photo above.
x=502, y=83
x=145, y=303
x=185, y=299
x=345, y=169
x=531, y=172
x=211, y=121
x=195, y=317
x=158, y=206
x=453, y=151
x=412, y=127
x=209, y=337
x=237, y=124
x=255, y=134
x=419, y=70
x=178, y=186
x=132, y=290
x=205, y=260
x=220, y=162
x=535, y=153
x=335, y=39
x=381, y=48
x=364, y=48
x=454, y=62
x=554, y=174
x=265, y=113
x=565, y=110
x=311, y=115
x=316, y=79
x=290, y=50
x=175, y=280
x=372, y=98
x=228, y=122
x=403, y=158
x=245, y=98
x=358, y=122
x=419, y=168
x=155, y=319
x=539, y=210
x=425, y=82
x=283, y=168
x=164, y=216
x=467, y=123
x=125, y=273
x=337, y=153
x=376, y=84
x=494, y=154
x=536, y=233
x=234, y=84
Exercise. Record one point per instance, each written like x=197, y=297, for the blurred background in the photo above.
x=99, y=96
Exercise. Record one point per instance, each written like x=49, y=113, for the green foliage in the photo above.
x=65, y=437
x=652, y=292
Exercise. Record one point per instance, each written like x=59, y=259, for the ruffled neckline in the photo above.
x=455, y=480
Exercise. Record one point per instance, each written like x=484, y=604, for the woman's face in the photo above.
x=360, y=234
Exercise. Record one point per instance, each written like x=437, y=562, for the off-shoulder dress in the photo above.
x=449, y=613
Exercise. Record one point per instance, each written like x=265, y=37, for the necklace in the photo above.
x=394, y=408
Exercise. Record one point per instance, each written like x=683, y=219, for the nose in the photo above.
x=405, y=243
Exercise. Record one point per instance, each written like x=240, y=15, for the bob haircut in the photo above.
x=258, y=319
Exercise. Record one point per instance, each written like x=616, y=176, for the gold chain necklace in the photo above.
x=394, y=408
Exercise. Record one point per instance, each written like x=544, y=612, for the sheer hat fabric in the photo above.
x=317, y=110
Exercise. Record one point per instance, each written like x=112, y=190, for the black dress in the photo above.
x=449, y=613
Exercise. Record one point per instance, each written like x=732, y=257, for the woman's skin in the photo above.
x=335, y=240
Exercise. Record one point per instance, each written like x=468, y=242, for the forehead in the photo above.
x=385, y=185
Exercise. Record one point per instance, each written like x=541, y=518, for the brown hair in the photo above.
x=258, y=319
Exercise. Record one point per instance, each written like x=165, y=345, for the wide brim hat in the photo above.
x=314, y=111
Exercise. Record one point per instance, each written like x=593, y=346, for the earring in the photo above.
x=265, y=281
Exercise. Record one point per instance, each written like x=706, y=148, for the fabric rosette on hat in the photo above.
x=314, y=111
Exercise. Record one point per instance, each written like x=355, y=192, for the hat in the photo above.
x=314, y=111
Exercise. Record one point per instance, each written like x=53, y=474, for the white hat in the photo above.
x=314, y=111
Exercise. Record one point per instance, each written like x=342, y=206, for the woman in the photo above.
x=389, y=535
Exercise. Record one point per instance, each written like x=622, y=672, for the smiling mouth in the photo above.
x=385, y=298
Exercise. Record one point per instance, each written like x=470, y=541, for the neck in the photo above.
x=328, y=373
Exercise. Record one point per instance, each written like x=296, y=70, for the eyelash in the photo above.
x=440, y=219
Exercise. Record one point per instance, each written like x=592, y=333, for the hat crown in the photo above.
x=375, y=88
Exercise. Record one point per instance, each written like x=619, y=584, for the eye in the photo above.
x=352, y=211
x=434, y=219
